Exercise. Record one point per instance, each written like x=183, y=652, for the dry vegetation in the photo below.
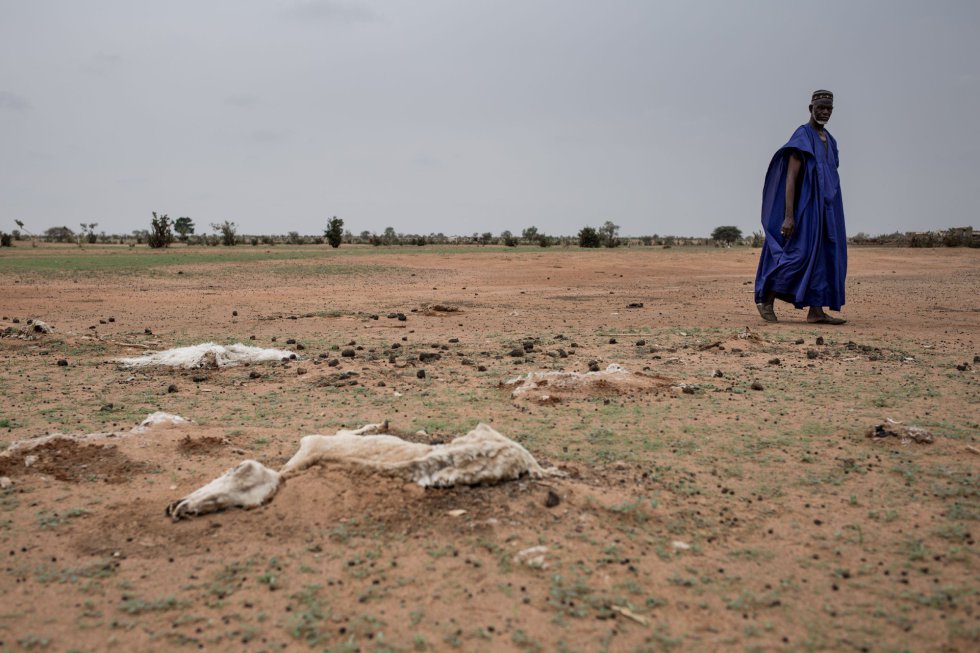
x=726, y=499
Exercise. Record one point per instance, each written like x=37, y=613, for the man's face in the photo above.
x=821, y=110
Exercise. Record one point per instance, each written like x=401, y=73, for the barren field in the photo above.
x=727, y=497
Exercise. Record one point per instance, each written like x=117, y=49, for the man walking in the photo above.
x=804, y=257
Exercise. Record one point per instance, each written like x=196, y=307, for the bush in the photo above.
x=334, y=232
x=228, y=232
x=589, y=237
x=5, y=239
x=161, y=234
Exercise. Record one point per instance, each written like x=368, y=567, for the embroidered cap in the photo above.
x=822, y=95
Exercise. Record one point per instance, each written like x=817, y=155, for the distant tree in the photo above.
x=184, y=226
x=543, y=240
x=609, y=234
x=228, y=231
x=6, y=240
x=293, y=238
x=161, y=234
x=389, y=237
x=530, y=235
x=334, y=232
x=589, y=237
x=727, y=235
x=365, y=236
x=88, y=232
x=758, y=239
x=59, y=235
x=508, y=239
x=486, y=238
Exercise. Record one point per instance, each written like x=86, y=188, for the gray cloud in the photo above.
x=13, y=102
x=242, y=101
x=344, y=11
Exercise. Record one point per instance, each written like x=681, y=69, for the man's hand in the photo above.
x=789, y=226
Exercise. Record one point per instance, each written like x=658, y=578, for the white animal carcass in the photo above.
x=481, y=456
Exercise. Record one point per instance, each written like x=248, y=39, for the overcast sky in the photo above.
x=463, y=116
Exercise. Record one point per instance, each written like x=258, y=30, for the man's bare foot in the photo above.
x=767, y=312
x=817, y=316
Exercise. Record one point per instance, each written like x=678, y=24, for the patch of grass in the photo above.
x=136, y=605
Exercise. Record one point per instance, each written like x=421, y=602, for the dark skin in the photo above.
x=820, y=112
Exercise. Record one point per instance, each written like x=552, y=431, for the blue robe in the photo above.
x=809, y=268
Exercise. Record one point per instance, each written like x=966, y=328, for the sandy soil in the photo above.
x=726, y=498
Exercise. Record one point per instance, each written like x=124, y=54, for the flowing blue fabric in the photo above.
x=809, y=268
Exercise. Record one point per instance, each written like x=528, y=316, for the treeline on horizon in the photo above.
x=163, y=232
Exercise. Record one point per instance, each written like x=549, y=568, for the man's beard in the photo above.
x=818, y=120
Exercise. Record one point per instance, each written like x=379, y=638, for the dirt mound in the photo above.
x=196, y=446
x=68, y=460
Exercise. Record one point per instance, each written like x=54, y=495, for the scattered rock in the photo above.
x=106, y=408
x=812, y=353
x=757, y=386
x=593, y=366
x=199, y=378
x=552, y=499
x=234, y=313
x=635, y=305
x=774, y=361
x=718, y=374
x=300, y=370
x=254, y=375
x=963, y=367
x=427, y=356
x=420, y=374
x=819, y=340
x=528, y=345
x=641, y=343
x=612, y=341
x=147, y=332
x=348, y=353
x=453, y=340
x=172, y=388
x=481, y=368
x=62, y=362
x=799, y=341
x=516, y=352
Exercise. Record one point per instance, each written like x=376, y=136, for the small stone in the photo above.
x=641, y=343
x=963, y=367
x=199, y=378
x=562, y=353
x=528, y=345
x=348, y=353
x=516, y=352
x=481, y=368
x=106, y=408
x=976, y=358
x=382, y=384
x=420, y=374
x=718, y=374
x=234, y=313
x=300, y=370
x=819, y=340
x=290, y=341
x=612, y=341
x=254, y=375
x=812, y=353
x=774, y=361
x=552, y=499
x=62, y=362
x=274, y=339
x=427, y=356
x=112, y=319
x=333, y=362
x=401, y=317
x=300, y=347
x=251, y=337
x=172, y=388
x=799, y=341
x=147, y=332
x=593, y=366
x=757, y=386
x=453, y=340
